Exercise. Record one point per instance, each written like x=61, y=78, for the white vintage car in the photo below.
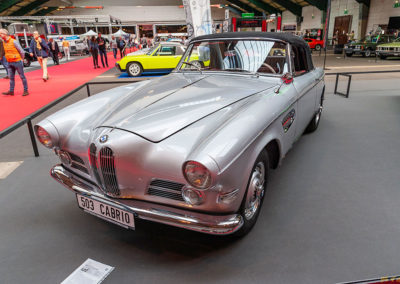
x=192, y=149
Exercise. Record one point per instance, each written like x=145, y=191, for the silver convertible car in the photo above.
x=192, y=149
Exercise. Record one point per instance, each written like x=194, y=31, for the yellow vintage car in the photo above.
x=162, y=58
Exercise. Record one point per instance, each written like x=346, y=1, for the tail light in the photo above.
x=287, y=78
x=197, y=175
x=44, y=137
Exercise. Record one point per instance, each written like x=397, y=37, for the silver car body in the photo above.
x=222, y=120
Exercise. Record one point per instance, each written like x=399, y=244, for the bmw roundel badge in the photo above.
x=103, y=139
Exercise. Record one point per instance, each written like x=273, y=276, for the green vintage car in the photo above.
x=389, y=49
x=367, y=46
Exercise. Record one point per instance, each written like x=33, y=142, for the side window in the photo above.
x=299, y=60
x=180, y=50
x=166, y=50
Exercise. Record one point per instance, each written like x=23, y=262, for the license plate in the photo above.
x=106, y=212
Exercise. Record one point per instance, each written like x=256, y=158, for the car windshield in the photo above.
x=249, y=56
x=151, y=50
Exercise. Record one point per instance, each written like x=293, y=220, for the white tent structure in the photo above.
x=89, y=33
x=120, y=33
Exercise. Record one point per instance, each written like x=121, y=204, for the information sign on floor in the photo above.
x=90, y=272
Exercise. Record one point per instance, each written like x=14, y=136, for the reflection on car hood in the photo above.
x=139, y=52
x=171, y=103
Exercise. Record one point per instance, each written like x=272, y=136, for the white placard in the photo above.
x=198, y=17
x=90, y=272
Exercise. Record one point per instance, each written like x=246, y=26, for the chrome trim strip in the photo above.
x=200, y=222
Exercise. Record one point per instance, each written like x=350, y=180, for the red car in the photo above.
x=314, y=43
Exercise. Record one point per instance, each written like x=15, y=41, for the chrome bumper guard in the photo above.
x=200, y=222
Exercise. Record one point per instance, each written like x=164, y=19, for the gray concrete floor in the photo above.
x=330, y=214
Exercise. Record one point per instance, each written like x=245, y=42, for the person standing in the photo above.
x=121, y=46
x=114, y=46
x=54, y=51
x=14, y=55
x=40, y=48
x=3, y=59
x=65, y=45
x=102, y=49
x=94, y=50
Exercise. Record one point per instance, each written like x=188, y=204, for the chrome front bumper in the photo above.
x=200, y=222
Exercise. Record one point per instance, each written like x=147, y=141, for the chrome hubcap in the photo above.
x=134, y=69
x=318, y=115
x=255, y=192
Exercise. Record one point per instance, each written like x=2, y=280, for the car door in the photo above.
x=166, y=57
x=305, y=83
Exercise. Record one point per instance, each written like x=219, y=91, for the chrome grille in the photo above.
x=107, y=167
x=93, y=162
x=166, y=189
x=78, y=163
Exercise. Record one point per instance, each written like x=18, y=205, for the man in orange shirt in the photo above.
x=14, y=55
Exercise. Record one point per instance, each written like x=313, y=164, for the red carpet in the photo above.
x=63, y=78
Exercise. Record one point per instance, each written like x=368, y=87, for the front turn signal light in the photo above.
x=44, y=137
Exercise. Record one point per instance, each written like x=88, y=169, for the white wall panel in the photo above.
x=308, y=21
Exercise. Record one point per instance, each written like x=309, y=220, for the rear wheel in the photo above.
x=317, y=47
x=254, y=196
x=134, y=69
x=349, y=54
x=60, y=55
x=313, y=125
x=382, y=56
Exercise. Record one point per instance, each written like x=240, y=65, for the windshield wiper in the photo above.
x=194, y=65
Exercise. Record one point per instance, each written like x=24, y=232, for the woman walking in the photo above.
x=41, y=50
x=94, y=50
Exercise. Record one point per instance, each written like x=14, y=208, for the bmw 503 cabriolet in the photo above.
x=193, y=149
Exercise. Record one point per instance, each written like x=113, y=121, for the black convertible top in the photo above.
x=287, y=37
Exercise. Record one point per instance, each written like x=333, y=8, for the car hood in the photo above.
x=172, y=103
x=391, y=44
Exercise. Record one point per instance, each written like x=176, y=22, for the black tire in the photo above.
x=317, y=47
x=348, y=54
x=382, y=56
x=27, y=62
x=313, y=125
x=254, y=196
x=368, y=53
x=134, y=69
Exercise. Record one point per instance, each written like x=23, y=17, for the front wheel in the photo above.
x=367, y=53
x=348, y=54
x=254, y=196
x=317, y=47
x=382, y=56
x=134, y=69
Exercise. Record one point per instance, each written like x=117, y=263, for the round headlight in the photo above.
x=197, y=175
x=44, y=137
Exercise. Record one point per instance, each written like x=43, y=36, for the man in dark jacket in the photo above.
x=101, y=41
x=54, y=51
x=40, y=48
x=3, y=59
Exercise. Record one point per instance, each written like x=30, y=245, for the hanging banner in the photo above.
x=198, y=17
